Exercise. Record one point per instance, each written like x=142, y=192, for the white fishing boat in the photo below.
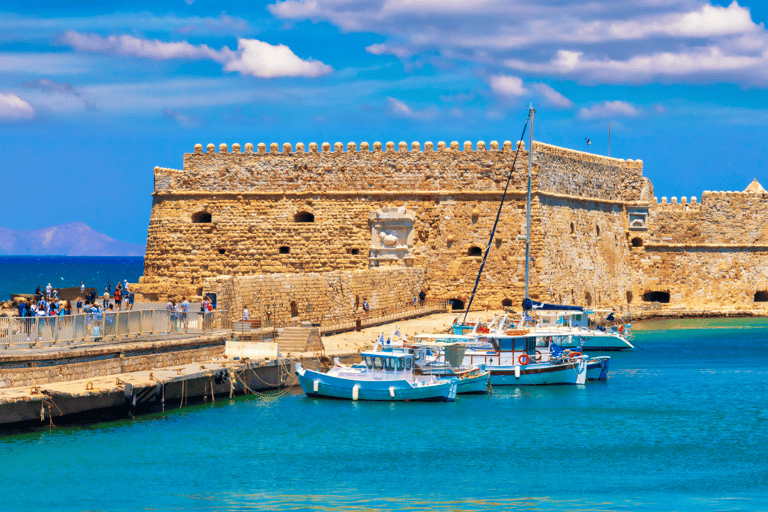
x=381, y=376
x=444, y=361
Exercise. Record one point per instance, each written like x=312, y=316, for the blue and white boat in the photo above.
x=382, y=376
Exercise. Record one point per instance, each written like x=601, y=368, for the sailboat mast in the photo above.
x=531, y=111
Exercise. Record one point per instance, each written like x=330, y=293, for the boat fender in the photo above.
x=524, y=359
x=159, y=391
x=316, y=385
x=538, y=357
x=128, y=390
x=517, y=371
x=220, y=376
x=355, y=391
x=392, y=391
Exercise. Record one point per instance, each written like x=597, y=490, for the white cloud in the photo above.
x=676, y=39
x=401, y=109
x=512, y=86
x=145, y=48
x=260, y=59
x=551, y=96
x=253, y=57
x=643, y=68
x=13, y=107
x=508, y=85
x=387, y=49
x=609, y=110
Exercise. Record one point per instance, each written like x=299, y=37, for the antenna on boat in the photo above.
x=498, y=214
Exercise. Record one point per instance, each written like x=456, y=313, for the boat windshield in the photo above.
x=369, y=362
x=408, y=364
x=378, y=363
x=400, y=364
x=389, y=364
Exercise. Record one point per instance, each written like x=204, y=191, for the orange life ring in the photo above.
x=538, y=356
x=574, y=354
x=524, y=359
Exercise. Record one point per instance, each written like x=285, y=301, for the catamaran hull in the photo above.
x=605, y=343
x=316, y=384
x=539, y=374
x=597, y=368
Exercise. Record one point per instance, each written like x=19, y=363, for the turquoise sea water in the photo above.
x=23, y=274
x=682, y=424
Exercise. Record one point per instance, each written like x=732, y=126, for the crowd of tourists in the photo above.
x=48, y=303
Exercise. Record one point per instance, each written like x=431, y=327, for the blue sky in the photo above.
x=92, y=97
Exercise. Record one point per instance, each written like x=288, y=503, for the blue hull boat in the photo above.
x=382, y=376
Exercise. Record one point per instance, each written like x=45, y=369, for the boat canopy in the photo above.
x=529, y=304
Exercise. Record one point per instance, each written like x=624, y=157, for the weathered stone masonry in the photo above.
x=598, y=235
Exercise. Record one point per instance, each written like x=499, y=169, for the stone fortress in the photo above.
x=315, y=231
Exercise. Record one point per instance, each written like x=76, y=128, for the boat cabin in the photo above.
x=388, y=362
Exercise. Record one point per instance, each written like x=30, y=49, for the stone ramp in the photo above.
x=294, y=340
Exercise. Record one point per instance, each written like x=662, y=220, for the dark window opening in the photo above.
x=597, y=230
x=637, y=242
x=662, y=297
x=294, y=309
x=353, y=252
x=304, y=217
x=357, y=301
x=222, y=251
x=284, y=250
x=761, y=296
x=588, y=298
x=201, y=217
x=572, y=228
x=506, y=303
x=629, y=297
x=475, y=251
x=457, y=304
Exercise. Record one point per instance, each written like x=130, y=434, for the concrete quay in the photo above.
x=116, y=380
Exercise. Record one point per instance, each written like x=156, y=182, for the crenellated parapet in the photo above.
x=390, y=167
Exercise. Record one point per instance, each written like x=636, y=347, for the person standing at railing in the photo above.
x=106, y=297
x=171, y=309
x=184, y=311
x=118, y=296
x=422, y=297
x=48, y=291
x=79, y=305
x=130, y=298
x=29, y=319
x=246, y=314
x=366, y=307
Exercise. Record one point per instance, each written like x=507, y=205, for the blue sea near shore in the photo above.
x=682, y=424
x=23, y=274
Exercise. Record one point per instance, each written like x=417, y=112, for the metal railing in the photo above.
x=108, y=326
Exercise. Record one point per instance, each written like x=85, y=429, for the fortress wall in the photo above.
x=181, y=254
x=565, y=171
x=703, y=277
x=584, y=256
x=720, y=218
x=316, y=294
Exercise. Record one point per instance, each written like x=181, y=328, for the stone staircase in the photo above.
x=293, y=340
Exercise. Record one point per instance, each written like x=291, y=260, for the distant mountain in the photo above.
x=73, y=239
